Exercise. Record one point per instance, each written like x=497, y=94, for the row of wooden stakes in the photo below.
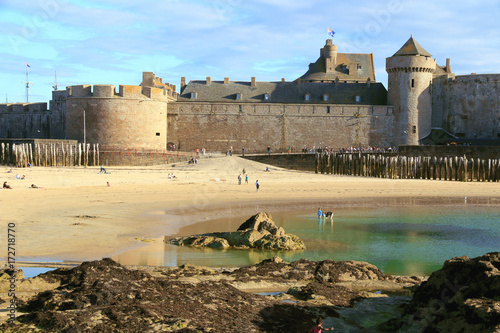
x=403, y=167
x=49, y=154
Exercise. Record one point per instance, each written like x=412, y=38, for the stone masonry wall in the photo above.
x=218, y=126
x=470, y=105
x=22, y=120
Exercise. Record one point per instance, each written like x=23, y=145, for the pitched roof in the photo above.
x=410, y=48
x=317, y=70
x=285, y=92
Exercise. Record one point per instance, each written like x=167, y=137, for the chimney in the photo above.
x=448, y=67
x=209, y=80
x=252, y=84
x=282, y=80
x=183, y=83
x=226, y=80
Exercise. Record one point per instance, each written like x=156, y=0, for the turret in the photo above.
x=410, y=76
x=329, y=52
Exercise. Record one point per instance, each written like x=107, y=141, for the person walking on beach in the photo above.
x=257, y=185
x=239, y=179
x=246, y=179
x=320, y=213
x=318, y=328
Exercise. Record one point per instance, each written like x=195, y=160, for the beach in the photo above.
x=75, y=215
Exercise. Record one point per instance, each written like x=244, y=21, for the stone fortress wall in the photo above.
x=29, y=120
x=219, y=126
x=468, y=105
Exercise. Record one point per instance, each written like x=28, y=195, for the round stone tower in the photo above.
x=329, y=52
x=410, y=72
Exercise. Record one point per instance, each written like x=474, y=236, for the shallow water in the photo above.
x=404, y=239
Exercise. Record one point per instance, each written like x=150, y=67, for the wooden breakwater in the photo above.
x=403, y=167
x=49, y=154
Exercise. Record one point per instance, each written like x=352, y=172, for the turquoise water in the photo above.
x=30, y=272
x=398, y=239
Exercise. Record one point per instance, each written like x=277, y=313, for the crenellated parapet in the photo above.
x=23, y=108
x=151, y=88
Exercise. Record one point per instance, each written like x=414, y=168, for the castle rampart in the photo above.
x=218, y=126
x=469, y=105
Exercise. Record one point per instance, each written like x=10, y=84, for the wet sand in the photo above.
x=75, y=216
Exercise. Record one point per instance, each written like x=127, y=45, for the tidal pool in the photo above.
x=399, y=238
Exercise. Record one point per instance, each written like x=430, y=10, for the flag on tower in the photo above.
x=27, y=65
x=331, y=33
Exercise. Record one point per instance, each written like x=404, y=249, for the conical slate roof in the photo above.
x=412, y=48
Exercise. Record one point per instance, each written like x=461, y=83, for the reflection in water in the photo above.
x=405, y=240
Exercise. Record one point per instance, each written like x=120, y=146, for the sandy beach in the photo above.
x=74, y=215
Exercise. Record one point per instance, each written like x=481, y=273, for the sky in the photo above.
x=114, y=41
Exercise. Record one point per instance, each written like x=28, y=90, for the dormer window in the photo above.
x=358, y=99
x=325, y=97
x=193, y=95
x=267, y=96
x=359, y=66
x=238, y=96
x=307, y=97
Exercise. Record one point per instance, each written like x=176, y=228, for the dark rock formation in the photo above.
x=103, y=296
x=463, y=296
x=259, y=231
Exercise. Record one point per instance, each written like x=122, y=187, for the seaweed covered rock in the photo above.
x=463, y=296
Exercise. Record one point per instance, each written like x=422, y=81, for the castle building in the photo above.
x=336, y=103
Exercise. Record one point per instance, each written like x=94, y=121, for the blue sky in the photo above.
x=114, y=41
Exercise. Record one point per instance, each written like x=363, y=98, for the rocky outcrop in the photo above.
x=103, y=296
x=259, y=231
x=463, y=296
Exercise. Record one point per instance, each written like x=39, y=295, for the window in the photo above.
x=358, y=99
x=193, y=95
x=327, y=109
x=238, y=96
x=307, y=97
x=412, y=83
x=414, y=129
x=266, y=96
x=239, y=108
x=157, y=133
x=325, y=97
x=359, y=66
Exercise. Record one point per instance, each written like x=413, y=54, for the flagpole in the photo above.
x=27, y=86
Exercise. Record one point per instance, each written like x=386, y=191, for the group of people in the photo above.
x=193, y=160
x=323, y=215
x=240, y=178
